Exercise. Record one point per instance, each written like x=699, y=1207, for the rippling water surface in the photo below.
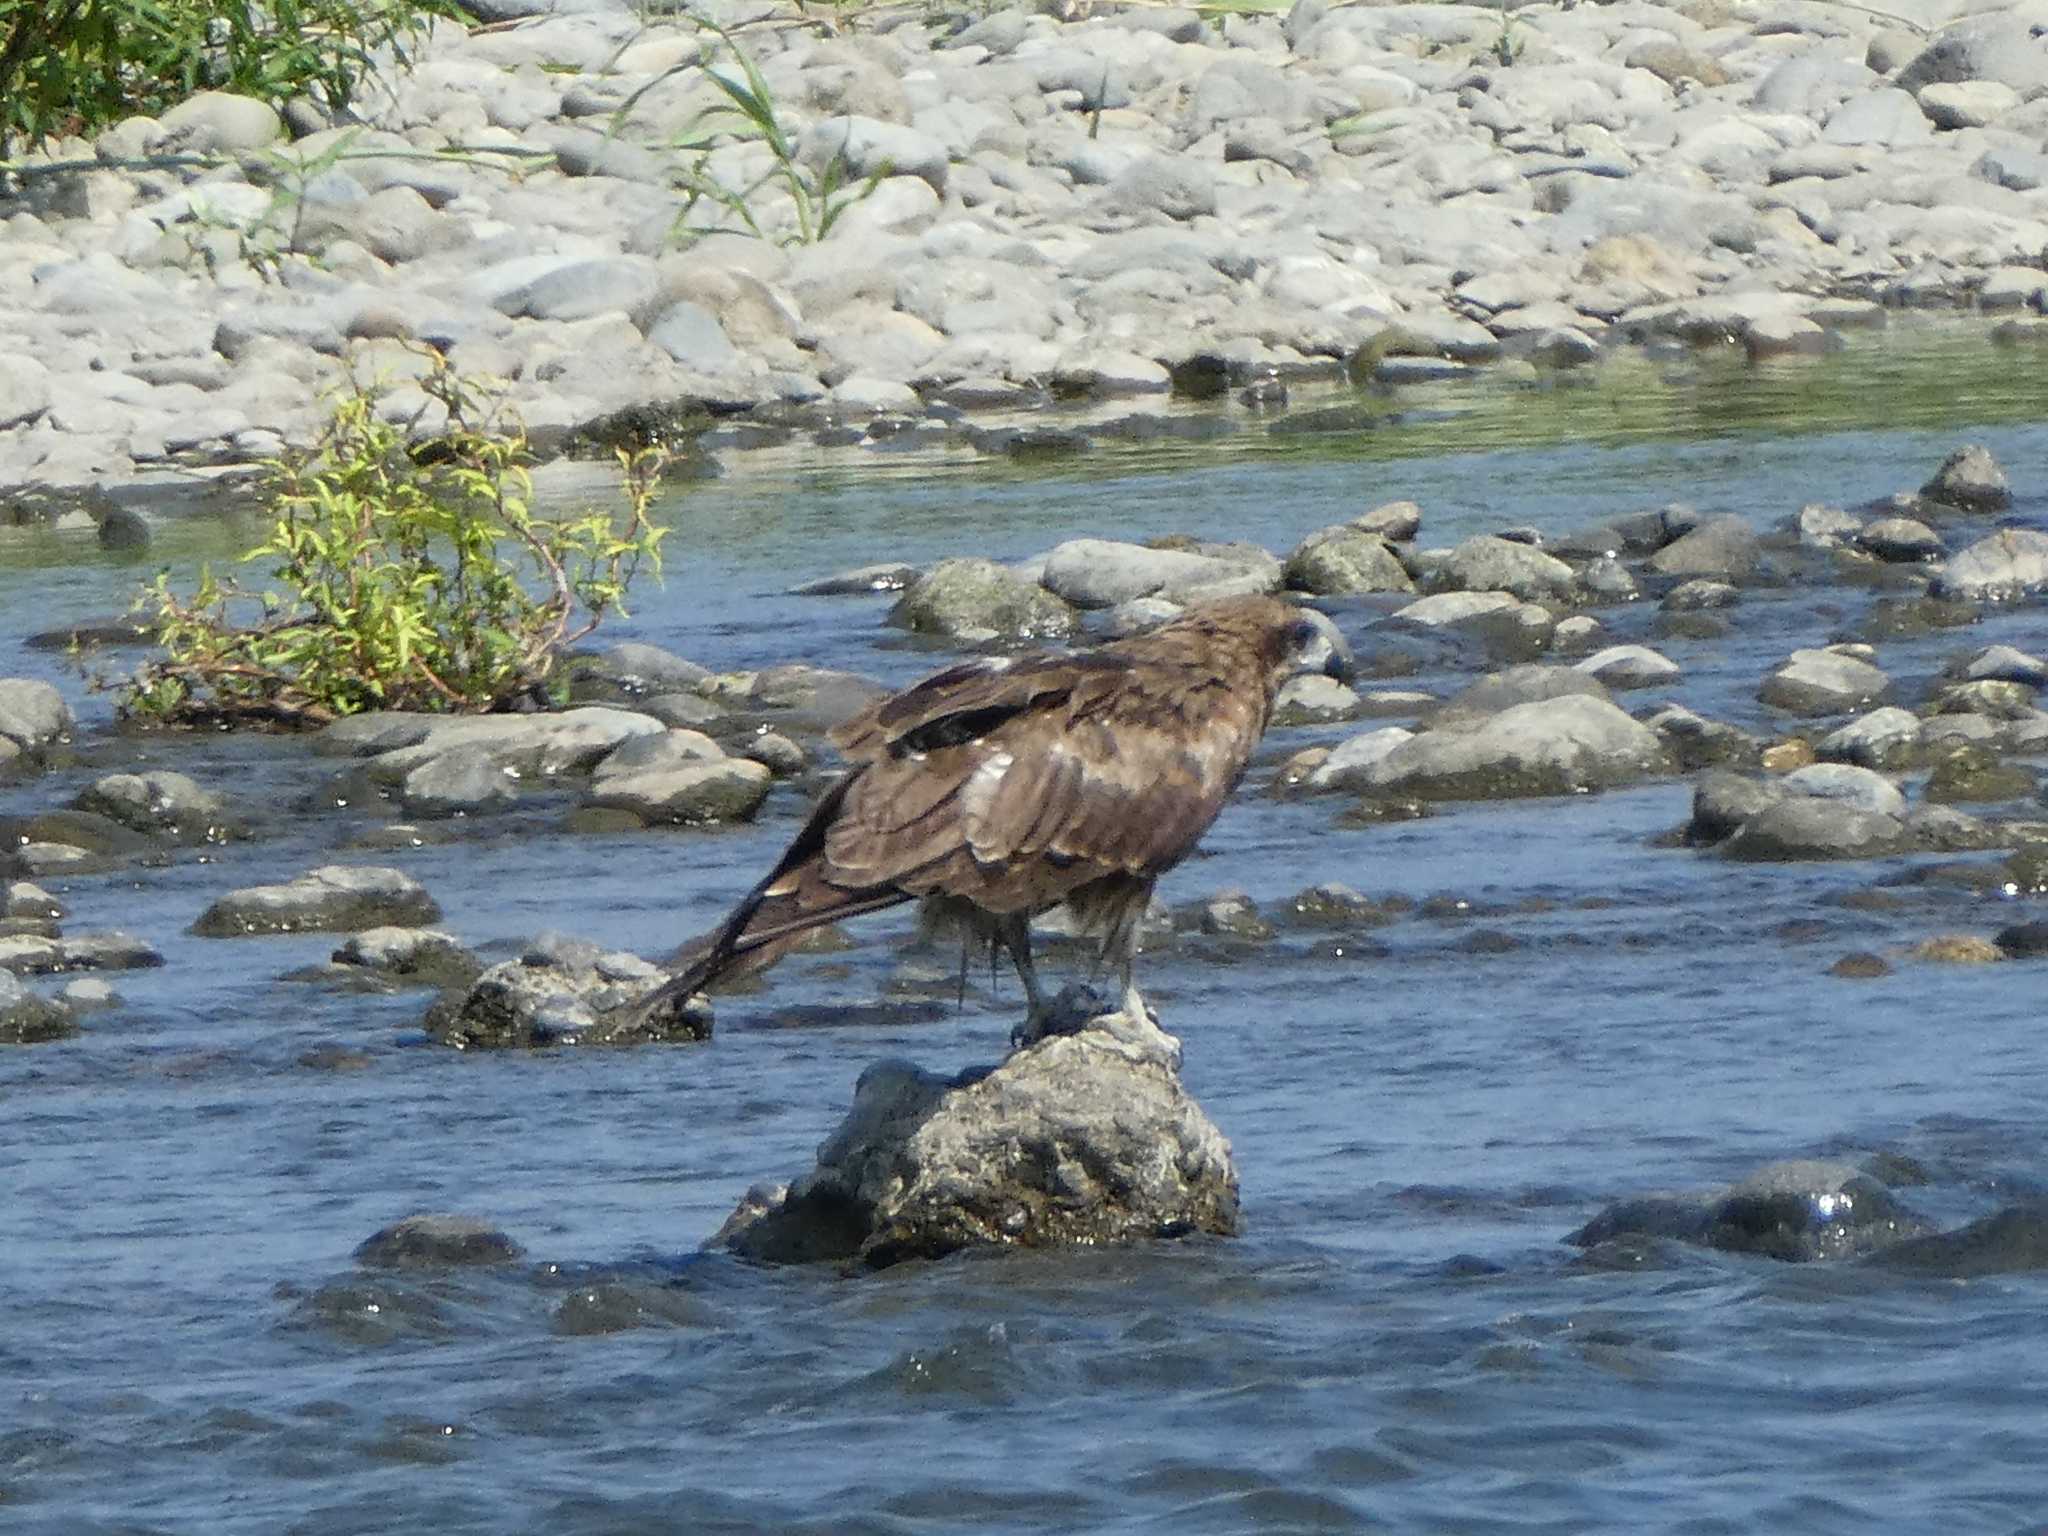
x=1400, y=1339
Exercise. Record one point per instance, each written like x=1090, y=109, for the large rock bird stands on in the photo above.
x=1004, y=786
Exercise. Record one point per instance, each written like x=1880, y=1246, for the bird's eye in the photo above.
x=1302, y=634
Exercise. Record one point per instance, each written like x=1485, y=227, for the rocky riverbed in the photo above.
x=1111, y=206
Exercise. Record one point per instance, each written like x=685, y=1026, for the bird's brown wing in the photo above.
x=1111, y=766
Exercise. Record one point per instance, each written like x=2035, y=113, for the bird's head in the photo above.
x=1311, y=643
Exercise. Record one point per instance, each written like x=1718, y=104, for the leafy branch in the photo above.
x=406, y=576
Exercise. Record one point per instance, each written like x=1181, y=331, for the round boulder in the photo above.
x=979, y=600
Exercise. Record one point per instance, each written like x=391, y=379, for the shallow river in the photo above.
x=1401, y=1339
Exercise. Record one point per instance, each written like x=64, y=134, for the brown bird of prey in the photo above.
x=1002, y=787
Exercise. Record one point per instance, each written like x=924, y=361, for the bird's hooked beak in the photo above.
x=1323, y=651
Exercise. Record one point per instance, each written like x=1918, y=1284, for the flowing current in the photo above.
x=1570, y=1012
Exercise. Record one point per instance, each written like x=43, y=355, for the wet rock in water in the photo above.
x=1719, y=548
x=431, y=1240
x=1630, y=666
x=1877, y=740
x=888, y=577
x=1823, y=527
x=1101, y=573
x=465, y=781
x=1828, y=682
x=777, y=753
x=425, y=956
x=1899, y=540
x=1863, y=788
x=2025, y=941
x=532, y=746
x=2009, y=563
x=2002, y=663
x=978, y=600
x=1335, y=905
x=1607, y=580
x=24, y=901
x=1696, y=742
x=168, y=804
x=1860, y=965
x=808, y=698
x=1801, y=827
x=1528, y=683
x=2026, y=871
x=1549, y=747
x=1943, y=829
x=335, y=898
x=1798, y=1211
x=1700, y=595
x=1577, y=635
x=562, y=992
x=1226, y=915
x=1969, y=480
x=1398, y=521
x=1345, y=558
x=33, y=715
x=88, y=994
x=1991, y=697
x=2007, y=1242
x=1487, y=563
x=1958, y=949
x=690, y=794
x=1084, y=1138
x=635, y=669
x=1345, y=765
x=1722, y=802
x=36, y=955
x=29, y=1019
x=1970, y=773
x=1314, y=701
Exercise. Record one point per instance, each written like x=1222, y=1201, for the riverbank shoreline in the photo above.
x=1211, y=209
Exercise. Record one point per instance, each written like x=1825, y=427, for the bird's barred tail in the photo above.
x=772, y=919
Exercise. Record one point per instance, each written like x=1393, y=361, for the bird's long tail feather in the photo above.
x=793, y=900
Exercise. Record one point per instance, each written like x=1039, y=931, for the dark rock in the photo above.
x=434, y=1241
x=1798, y=1211
x=1228, y=915
x=424, y=956
x=1823, y=683
x=1486, y=563
x=464, y=781
x=1969, y=480
x=167, y=804
x=2025, y=941
x=28, y=1019
x=972, y=599
x=1971, y=774
x=335, y=898
x=1339, y=906
x=2010, y=1241
x=891, y=577
x=562, y=992
x=35, y=955
x=1696, y=742
x=1806, y=827
x=1080, y=1139
x=1860, y=966
x=1345, y=558
x=33, y=715
x=691, y=794
x=1722, y=802
x=1720, y=548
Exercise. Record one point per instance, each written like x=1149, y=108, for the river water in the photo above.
x=1400, y=1340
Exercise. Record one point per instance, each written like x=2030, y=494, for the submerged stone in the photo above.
x=335, y=898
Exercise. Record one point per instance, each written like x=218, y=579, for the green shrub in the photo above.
x=407, y=576
x=74, y=66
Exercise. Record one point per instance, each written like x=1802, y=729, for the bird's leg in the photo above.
x=1013, y=933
